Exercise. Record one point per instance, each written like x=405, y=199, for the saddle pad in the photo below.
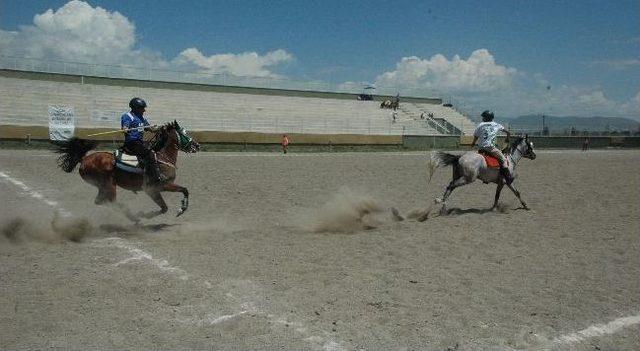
x=127, y=162
x=491, y=161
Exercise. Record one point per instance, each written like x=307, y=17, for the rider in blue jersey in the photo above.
x=134, y=124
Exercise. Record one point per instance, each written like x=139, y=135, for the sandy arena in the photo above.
x=271, y=255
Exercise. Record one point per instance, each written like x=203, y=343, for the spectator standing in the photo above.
x=585, y=144
x=285, y=143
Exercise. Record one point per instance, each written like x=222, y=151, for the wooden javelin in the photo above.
x=118, y=131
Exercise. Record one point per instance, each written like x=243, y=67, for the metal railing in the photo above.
x=327, y=125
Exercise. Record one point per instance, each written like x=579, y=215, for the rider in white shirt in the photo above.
x=485, y=137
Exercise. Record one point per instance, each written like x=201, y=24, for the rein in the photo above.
x=159, y=143
x=516, y=150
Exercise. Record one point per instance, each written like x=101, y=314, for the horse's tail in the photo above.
x=440, y=158
x=72, y=151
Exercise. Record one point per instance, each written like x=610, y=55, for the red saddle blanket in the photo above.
x=492, y=162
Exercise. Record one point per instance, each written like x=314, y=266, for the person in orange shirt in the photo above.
x=285, y=143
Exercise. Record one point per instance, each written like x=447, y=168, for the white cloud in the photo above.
x=480, y=83
x=632, y=107
x=74, y=32
x=78, y=32
x=245, y=64
x=479, y=73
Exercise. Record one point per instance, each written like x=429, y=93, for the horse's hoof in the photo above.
x=424, y=217
x=438, y=200
x=180, y=212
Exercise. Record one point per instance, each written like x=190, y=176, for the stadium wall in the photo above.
x=98, y=102
x=40, y=135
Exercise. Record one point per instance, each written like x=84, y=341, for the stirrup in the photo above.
x=161, y=178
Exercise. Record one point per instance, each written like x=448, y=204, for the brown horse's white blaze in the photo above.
x=99, y=168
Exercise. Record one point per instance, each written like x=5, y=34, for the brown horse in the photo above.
x=99, y=168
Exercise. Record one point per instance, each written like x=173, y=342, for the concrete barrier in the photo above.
x=409, y=142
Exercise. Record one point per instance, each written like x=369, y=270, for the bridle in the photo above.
x=528, y=153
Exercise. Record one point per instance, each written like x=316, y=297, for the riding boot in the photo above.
x=153, y=171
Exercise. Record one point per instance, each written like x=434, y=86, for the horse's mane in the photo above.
x=159, y=140
x=514, y=144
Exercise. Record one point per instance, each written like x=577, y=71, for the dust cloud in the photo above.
x=72, y=229
x=24, y=229
x=348, y=212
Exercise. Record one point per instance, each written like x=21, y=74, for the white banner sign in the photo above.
x=62, y=122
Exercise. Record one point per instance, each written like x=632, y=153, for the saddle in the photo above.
x=128, y=163
x=492, y=161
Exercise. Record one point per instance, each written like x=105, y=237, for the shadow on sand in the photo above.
x=134, y=228
x=462, y=211
x=500, y=209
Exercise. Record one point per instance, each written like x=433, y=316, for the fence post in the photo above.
x=28, y=139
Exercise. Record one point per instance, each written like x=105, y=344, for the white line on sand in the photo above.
x=34, y=194
x=163, y=265
x=140, y=255
x=210, y=319
x=226, y=317
x=598, y=330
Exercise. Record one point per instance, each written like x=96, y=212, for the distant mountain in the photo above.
x=556, y=123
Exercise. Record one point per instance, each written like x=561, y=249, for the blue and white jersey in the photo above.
x=486, y=132
x=131, y=120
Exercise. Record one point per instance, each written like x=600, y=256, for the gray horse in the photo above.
x=472, y=165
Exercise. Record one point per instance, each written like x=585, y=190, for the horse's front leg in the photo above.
x=517, y=194
x=497, y=197
x=184, y=204
x=106, y=191
x=154, y=194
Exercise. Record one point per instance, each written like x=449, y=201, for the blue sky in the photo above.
x=499, y=55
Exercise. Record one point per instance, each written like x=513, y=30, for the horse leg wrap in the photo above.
x=184, y=205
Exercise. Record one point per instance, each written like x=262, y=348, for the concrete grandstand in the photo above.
x=98, y=102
